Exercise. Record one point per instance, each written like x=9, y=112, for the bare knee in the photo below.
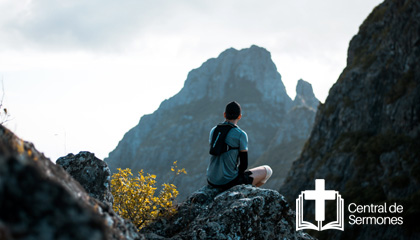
x=261, y=174
x=268, y=173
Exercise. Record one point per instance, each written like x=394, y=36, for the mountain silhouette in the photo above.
x=179, y=129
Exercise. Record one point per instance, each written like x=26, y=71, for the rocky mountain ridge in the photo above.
x=292, y=134
x=179, y=129
x=366, y=136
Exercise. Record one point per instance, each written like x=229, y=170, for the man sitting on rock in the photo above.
x=228, y=147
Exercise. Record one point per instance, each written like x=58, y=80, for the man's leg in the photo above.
x=261, y=174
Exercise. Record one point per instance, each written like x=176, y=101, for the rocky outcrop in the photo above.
x=298, y=122
x=39, y=200
x=305, y=96
x=291, y=136
x=179, y=129
x=92, y=173
x=242, y=212
x=366, y=137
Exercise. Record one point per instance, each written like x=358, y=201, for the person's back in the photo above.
x=229, y=168
x=227, y=162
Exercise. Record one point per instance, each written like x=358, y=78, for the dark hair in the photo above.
x=233, y=110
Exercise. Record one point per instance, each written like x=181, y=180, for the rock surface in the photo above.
x=242, y=212
x=305, y=95
x=39, y=200
x=292, y=134
x=179, y=129
x=366, y=137
x=92, y=173
x=298, y=122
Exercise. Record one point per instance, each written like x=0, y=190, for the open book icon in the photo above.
x=320, y=195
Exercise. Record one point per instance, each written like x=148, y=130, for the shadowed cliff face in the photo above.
x=179, y=129
x=365, y=141
x=39, y=200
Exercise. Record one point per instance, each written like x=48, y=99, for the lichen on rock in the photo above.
x=243, y=211
x=92, y=173
x=39, y=200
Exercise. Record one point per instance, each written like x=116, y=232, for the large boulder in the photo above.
x=365, y=141
x=92, y=173
x=39, y=200
x=243, y=211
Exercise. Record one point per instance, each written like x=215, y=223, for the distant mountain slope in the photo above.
x=178, y=130
x=366, y=138
x=294, y=130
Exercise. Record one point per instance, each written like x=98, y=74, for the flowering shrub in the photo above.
x=134, y=196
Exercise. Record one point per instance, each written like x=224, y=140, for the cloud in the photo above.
x=109, y=24
x=77, y=23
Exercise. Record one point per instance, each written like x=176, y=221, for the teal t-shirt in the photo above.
x=224, y=168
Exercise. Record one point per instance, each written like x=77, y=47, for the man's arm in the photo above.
x=243, y=161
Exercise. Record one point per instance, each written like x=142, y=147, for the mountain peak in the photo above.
x=305, y=95
x=248, y=76
x=233, y=74
x=254, y=49
x=228, y=52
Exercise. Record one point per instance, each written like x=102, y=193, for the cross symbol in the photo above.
x=320, y=195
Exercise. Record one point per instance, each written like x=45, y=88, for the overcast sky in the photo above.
x=79, y=74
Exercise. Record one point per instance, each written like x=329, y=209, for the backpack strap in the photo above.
x=218, y=144
x=232, y=126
